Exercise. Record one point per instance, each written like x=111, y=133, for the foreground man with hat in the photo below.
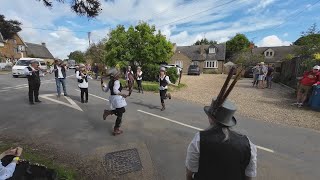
x=32, y=73
x=218, y=152
x=116, y=99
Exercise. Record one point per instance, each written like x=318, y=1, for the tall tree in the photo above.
x=78, y=56
x=140, y=44
x=205, y=41
x=309, y=41
x=8, y=28
x=237, y=44
x=96, y=52
x=89, y=8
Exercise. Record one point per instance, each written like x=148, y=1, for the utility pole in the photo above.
x=89, y=37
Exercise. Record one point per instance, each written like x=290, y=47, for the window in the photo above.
x=211, y=64
x=269, y=53
x=212, y=50
x=21, y=48
x=195, y=63
x=14, y=41
x=179, y=63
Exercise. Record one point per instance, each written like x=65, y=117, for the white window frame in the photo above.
x=213, y=64
x=212, y=50
x=195, y=63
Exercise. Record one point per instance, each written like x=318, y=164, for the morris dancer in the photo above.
x=164, y=81
x=116, y=100
x=139, y=79
x=218, y=152
x=83, y=84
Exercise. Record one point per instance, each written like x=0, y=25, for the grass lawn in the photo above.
x=153, y=86
x=63, y=171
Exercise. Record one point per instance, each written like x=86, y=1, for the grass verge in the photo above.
x=153, y=86
x=63, y=171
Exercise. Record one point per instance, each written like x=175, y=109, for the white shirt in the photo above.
x=60, y=75
x=116, y=101
x=7, y=172
x=139, y=74
x=27, y=72
x=127, y=75
x=168, y=81
x=193, y=155
x=84, y=83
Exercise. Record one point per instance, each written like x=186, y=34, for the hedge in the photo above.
x=152, y=86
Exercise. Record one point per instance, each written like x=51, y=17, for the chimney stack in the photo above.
x=43, y=44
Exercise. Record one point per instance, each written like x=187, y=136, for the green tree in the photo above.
x=205, y=41
x=237, y=44
x=309, y=42
x=78, y=56
x=137, y=45
x=89, y=8
x=8, y=28
x=96, y=52
x=246, y=58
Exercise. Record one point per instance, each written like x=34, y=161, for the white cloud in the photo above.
x=271, y=41
x=285, y=34
x=262, y=5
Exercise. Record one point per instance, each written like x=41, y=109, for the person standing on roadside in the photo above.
x=59, y=70
x=139, y=79
x=308, y=79
x=270, y=75
x=33, y=75
x=256, y=74
x=95, y=70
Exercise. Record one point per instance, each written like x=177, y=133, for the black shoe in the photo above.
x=31, y=103
x=86, y=101
x=65, y=94
x=38, y=101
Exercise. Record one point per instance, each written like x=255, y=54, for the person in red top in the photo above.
x=309, y=79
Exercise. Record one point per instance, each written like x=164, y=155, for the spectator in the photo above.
x=139, y=79
x=256, y=74
x=270, y=76
x=95, y=70
x=7, y=171
x=308, y=79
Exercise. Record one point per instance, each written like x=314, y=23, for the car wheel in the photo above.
x=15, y=76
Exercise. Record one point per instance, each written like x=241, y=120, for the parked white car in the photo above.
x=175, y=66
x=22, y=63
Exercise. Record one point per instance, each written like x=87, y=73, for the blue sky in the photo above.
x=265, y=22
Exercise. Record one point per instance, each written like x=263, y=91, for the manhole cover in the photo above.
x=123, y=162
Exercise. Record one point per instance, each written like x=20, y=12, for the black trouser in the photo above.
x=33, y=90
x=118, y=112
x=163, y=95
x=139, y=82
x=84, y=91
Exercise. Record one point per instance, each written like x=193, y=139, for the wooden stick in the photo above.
x=231, y=86
x=218, y=102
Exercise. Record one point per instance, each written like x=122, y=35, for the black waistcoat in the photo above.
x=35, y=77
x=63, y=70
x=111, y=84
x=163, y=82
x=223, y=160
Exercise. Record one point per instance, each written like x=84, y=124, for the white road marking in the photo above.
x=26, y=85
x=94, y=95
x=72, y=103
x=192, y=127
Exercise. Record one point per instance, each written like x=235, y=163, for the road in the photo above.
x=161, y=138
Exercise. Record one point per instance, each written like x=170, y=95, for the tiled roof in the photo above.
x=280, y=52
x=194, y=52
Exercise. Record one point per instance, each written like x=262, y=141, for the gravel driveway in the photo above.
x=271, y=105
